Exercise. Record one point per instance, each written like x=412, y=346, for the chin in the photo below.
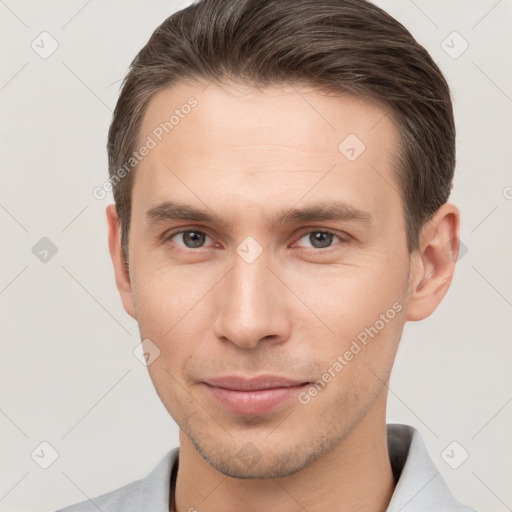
x=263, y=459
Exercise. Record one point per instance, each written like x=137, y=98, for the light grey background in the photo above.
x=68, y=373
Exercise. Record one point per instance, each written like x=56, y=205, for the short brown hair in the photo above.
x=350, y=46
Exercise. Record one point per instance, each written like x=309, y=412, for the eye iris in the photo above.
x=320, y=239
x=193, y=239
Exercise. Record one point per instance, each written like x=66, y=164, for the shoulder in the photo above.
x=149, y=493
x=124, y=498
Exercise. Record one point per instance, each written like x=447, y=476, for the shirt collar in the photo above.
x=420, y=486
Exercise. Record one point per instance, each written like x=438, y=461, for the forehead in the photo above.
x=252, y=142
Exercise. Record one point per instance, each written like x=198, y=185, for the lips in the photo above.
x=252, y=396
x=255, y=383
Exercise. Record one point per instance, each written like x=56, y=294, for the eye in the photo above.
x=190, y=239
x=320, y=239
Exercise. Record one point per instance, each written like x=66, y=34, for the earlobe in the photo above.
x=122, y=274
x=433, y=263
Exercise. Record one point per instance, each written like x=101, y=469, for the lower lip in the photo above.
x=253, y=402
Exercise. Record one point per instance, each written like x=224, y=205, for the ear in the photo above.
x=120, y=268
x=433, y=263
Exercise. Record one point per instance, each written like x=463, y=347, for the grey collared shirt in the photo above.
x=420, y=487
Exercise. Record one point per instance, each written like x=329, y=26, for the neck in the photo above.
x=355, y=475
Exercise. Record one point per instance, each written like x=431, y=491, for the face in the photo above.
x=267, y=250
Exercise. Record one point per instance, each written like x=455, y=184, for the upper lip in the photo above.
x=252, y=383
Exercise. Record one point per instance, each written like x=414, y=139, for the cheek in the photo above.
x=362, y=306
x=168, y=309
x=350, y=298
x=166, y=297
x=356, y=368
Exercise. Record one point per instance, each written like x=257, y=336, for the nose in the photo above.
x=251, y=305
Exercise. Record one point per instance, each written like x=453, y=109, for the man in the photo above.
x=281, y=171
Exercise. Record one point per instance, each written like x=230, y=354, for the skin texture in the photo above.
x=246, y=154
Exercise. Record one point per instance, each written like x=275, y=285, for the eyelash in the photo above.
x=344, y=238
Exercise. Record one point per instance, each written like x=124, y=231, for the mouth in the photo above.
x=253, y=396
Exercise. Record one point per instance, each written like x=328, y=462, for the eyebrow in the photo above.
x=325, y=211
